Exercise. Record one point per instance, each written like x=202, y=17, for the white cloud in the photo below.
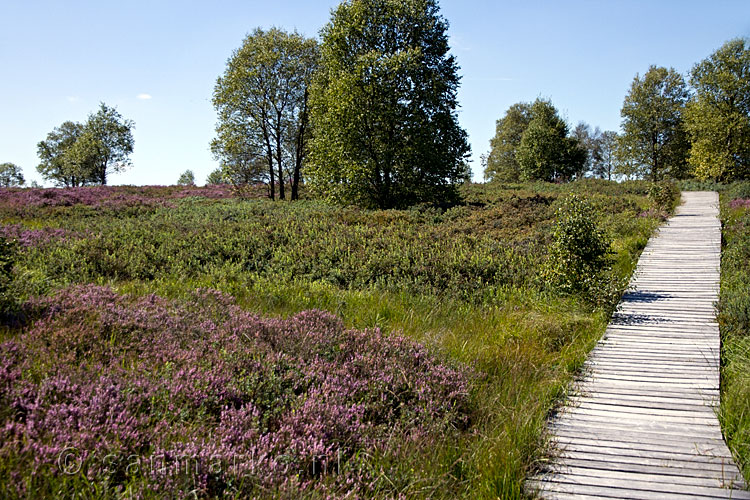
x=143, y=97
x=72, y=98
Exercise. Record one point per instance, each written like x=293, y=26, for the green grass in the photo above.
x=465, y=282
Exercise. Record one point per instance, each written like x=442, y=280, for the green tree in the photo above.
x=654, y=136
x=216, y=177
x=10, y=175
x=383, y=107
x=187, y=178
x=502, y=164
x=76, y=154
x=107, y=142
x=546, y=151
x=605, y=162
x=241, y=162
x=57, y=163
x=590, y=139
x=262, y=106
x=718, y=118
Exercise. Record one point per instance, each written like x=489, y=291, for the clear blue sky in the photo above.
x=157, y=62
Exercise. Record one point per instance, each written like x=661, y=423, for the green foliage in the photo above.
x=57, y=165
x=76, y=154
x=546, y=152
x=502, y=164
x=654, y=140
x=718, y=118
x=384, y=107
x=10, y=175
x=580, y=253
x=7, y=261
x=664, y=194
x=187, y=178
x=216, y=177
x=107, y=142
x=261, y=101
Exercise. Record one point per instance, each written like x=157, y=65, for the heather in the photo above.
x=456, y=411
x=25, y=201
x=258, y=405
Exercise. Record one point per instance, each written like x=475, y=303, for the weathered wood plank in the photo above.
x=726, y=477
x=716, y=449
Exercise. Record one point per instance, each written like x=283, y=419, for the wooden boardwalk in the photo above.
x=642, y=423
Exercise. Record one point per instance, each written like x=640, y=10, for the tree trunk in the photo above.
x=279, y=156
x=272, y=182
x=269, y=157
x=300, y=148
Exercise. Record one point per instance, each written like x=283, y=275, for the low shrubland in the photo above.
x=409, y=353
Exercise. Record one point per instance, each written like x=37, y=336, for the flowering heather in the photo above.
x=35, y=237
x=744, y=203
x=167, y=397
x=105, y=197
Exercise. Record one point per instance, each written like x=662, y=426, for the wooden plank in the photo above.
x=671, y=456
x=642, y=424
x=642, y=401
x=716, y=450
x=726, y=477
x=595, y=405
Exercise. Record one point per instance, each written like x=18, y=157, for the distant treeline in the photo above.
x=670, y=130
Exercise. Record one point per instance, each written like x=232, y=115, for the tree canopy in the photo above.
x=107, y=142
x=502, y=164
x=262, y=104
x=605, y=163
x=187, y=178
x=57, y=164
x=383, y=106
x=10, y=175
x=76, y=154
x=216, y=177
x=718, y=117
x=654, y=138
x=546, y=151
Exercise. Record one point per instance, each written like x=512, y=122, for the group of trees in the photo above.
x=669, y=129
x=532, y=142
x=368, y=116
x=262, y=103
x=10, y=175
x=79, y=154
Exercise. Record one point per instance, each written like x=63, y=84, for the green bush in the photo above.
x=664, y=194
x=738, y=190
x=579, y=256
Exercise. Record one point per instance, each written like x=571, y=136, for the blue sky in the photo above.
x=157, y=62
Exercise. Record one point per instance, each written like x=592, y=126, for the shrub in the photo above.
x=579, y=255
x=664, y=194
